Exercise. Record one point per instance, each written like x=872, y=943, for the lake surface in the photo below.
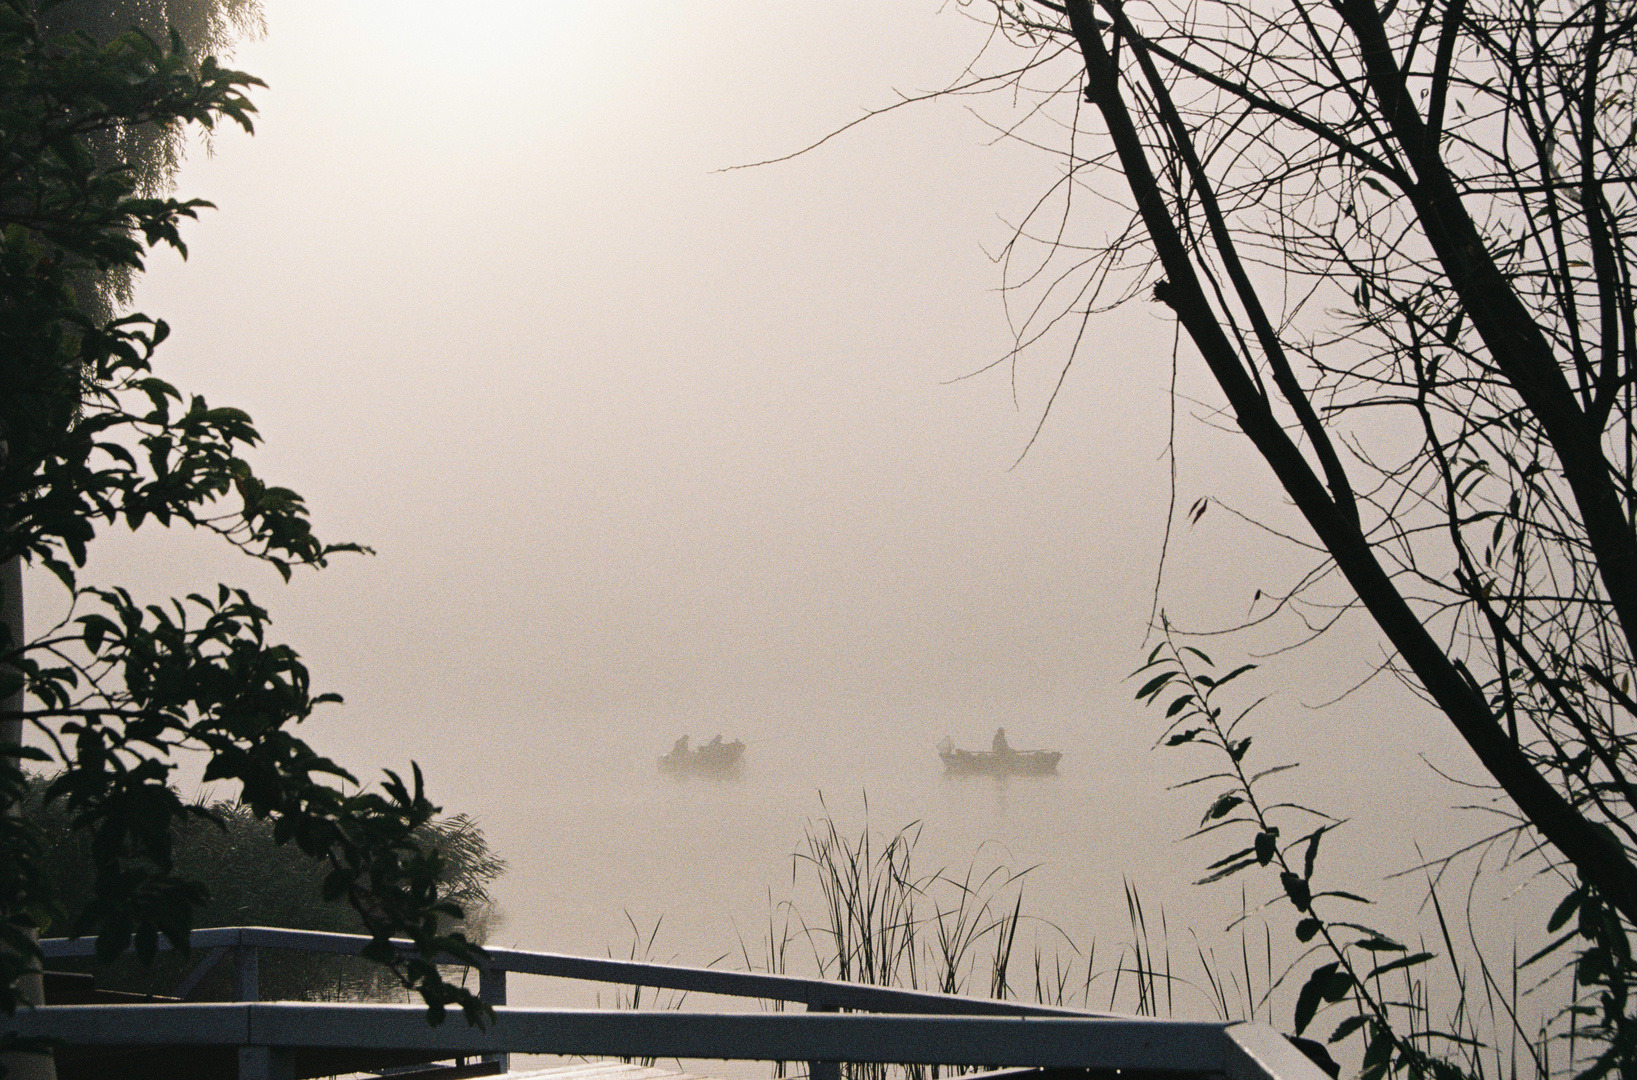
x=602, y=849
x=606, y=853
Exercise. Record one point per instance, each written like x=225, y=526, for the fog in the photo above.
x=647, y=447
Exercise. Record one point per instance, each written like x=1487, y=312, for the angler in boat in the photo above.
x=715, y=758
x=999, y=760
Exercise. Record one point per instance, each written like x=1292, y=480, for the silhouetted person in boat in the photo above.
x=680, y=750
x=1001, y=746
x=715, y=743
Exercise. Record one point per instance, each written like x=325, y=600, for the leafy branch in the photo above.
x=1356, y=957
x=91, y=437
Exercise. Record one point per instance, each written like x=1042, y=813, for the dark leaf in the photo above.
x=1154, y=685
x=1296, y=889
x=1223, y=805
x=1347, y=1027
x=1345, y=896
x=1267, y=845
x=1402, y=962
x=1227, y=871
x=1316, y=990
x=1564, y=911
x=1379, y=943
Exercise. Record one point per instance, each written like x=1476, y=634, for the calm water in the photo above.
x=708, y=860
x=705, y=858
x=601, y=847
x=598, y=841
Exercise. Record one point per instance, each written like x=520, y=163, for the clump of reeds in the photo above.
x=869, y=894
x=883, y=922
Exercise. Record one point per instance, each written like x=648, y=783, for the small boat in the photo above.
x=1000, y=761
x=715, y=758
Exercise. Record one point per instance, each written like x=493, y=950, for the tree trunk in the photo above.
x=30, y=987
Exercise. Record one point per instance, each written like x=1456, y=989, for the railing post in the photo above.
x=491, y=988
x=246, y=978
x=267, y=1063
x=823, y=1070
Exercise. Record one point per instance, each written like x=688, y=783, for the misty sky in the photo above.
x=647, y=447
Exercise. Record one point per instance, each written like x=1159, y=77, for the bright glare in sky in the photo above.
x=481, y=36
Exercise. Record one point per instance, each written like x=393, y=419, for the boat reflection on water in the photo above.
x=1001, y=760
x=715, y=758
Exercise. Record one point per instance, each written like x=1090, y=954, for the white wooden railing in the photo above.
x=880, y=1024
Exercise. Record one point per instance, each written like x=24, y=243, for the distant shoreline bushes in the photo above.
x=252, y=880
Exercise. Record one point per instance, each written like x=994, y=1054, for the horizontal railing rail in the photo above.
x=882, y=1024
x=814, y=993
x=270, y=1033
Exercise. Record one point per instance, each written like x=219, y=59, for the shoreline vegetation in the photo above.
x=252, y=880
